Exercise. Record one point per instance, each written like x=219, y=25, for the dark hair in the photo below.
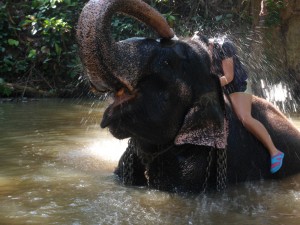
x=204, y=39
x=217, y=56
x=200, y=37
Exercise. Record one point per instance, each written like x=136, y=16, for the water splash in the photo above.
x=280, y=95
x=266, y=65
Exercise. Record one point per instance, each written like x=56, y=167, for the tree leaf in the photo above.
x=32, y=54
x=57, y=49
x=13, y=42
x=218, y=18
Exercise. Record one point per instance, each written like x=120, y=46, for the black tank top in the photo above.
x=224, y=51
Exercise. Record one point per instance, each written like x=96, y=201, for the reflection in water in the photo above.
x=56, y=168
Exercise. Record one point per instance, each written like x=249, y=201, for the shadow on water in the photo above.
x=56, y=168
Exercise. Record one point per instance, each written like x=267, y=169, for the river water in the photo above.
x=56, y=168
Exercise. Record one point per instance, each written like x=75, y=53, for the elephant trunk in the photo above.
x=111, y=65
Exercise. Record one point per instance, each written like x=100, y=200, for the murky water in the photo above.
x=56, y=168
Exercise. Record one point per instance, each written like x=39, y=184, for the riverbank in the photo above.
x=16, y=92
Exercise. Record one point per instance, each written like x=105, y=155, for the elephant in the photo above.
x=183, y=133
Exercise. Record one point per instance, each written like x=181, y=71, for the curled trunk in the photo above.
x=108, y=64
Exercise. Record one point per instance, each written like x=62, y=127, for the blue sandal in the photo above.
x=276, y=162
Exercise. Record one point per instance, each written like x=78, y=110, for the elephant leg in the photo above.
x=130, y=170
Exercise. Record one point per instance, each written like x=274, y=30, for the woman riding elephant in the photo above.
x=233, y=78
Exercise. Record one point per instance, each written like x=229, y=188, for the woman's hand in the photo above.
x=223, y=81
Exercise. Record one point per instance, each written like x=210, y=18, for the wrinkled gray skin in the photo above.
x=172, y=107
x=107, y=63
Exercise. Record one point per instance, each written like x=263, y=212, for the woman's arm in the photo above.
x=228, y=69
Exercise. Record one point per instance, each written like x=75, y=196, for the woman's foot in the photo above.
x=276, y=162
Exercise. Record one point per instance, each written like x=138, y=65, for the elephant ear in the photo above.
x=205, y=123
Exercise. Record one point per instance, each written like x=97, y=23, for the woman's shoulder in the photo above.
x=228, y=44
x=229, y=47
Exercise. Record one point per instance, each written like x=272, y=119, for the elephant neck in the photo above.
x=148, y=151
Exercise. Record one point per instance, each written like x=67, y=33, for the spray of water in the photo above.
x=269, y=77
x=263, y=55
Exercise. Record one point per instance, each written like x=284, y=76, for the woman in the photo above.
x=233, y=79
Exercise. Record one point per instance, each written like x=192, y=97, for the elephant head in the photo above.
x=163, y=89
x=109, y=64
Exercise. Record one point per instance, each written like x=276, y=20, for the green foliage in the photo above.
x=124, y=27
x=4, y=89
x=171, y=18
x=273, y=8
x=37, y=39
x=13, y=42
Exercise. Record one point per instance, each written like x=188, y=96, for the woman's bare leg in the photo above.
x=242, y=103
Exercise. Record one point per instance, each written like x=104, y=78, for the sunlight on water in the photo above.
x=102, y=154
x=107, y=150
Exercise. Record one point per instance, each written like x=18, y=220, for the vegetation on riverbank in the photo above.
x=38, y=47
